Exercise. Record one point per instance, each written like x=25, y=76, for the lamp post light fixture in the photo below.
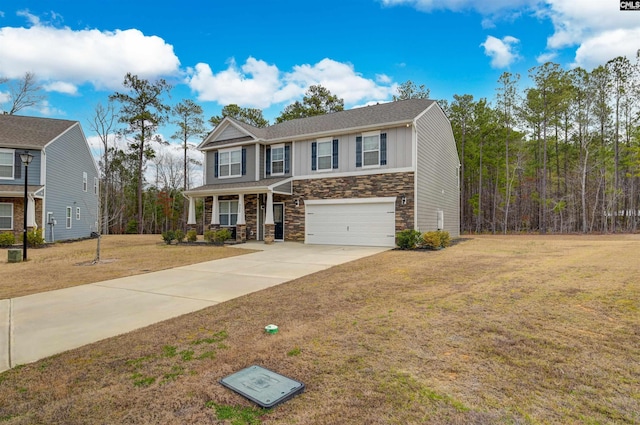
x=26, y=158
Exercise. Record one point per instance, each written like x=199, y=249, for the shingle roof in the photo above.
x=238, y=186
x=30, y=132
x=358, y=118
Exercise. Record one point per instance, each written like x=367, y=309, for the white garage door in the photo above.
x=363, y=222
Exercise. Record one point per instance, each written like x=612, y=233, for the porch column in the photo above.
x=215, y=216
x=192, y=211
x=240, y=219
x=269, y=225
x=31, y=212
x=269, y=213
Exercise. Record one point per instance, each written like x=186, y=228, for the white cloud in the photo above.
x=599, y=29
x=546, y=57
x=61, y=87
x=4, y=97
x=260, y=85
x=102, y=58
x=483, y=7
x=502, y=52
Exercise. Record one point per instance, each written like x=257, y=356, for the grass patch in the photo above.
x=238, y=415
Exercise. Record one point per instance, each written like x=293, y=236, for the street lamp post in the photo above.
x=26, y=158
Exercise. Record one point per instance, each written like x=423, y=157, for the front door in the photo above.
x=278, y=220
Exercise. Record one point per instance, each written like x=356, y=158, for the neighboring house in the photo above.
x=354, y=177
x=62, y=181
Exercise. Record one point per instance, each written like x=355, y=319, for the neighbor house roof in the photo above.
x=358, y=118
x=30, y=132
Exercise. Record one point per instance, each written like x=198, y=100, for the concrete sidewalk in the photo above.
x=41, y=325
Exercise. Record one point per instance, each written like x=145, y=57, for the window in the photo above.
x=371, y=150
x=77, y=213
x=84, y=182
x=6, y=216
x=277, y=160
x=325, y=153
x=68, y=217
x=95, y=185
x=228, y=213
x=6, y=163
x=230, y=163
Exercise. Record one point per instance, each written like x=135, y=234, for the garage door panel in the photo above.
x=347, y=223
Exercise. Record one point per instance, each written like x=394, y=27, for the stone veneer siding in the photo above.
x=368, y=186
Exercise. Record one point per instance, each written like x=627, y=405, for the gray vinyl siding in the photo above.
x=398, y=153
x=230, y=132
x=35, y=169
x=66, y=160
x=250, y=168
x=436, y=174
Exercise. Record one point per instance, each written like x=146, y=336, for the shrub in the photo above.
x=445, y=239
x=431, y=240
x=132, y=227
x=34, y=238
x=192, y=236
x=217, y=236
x=7, y=239
x=179, y=235
x=408, y=239
x=168, y=236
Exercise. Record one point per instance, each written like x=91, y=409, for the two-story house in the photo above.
x=353, y=177
x=62, y=192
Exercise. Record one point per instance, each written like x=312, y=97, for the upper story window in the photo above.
x=6, y=216
x=6, y=164
x=95, y=185
x=277, y=160
x=324, y=154
x=84, y=182
x=371, y=150
x=230, y=163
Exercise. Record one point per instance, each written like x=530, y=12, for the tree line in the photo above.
x=560, y=156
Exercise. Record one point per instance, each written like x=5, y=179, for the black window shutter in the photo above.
x=215, y=163
x=268, y=155
x=334, y=165
x=359, y=151
x=287, y=160
x=383, y=149
x=244, y=161
x=314, y=155
x=17, y=172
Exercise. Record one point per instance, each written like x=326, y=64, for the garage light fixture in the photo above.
x=403, y=199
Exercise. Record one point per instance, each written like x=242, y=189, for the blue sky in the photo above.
x=266, y=53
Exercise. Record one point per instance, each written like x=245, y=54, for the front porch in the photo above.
x=253, y=211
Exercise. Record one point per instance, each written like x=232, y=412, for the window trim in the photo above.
x=11, y=217
x=12, y=164
x=95, y=185
x=220, y=164
x=77, y=213
x=274, y=147
x=229, y=214
x=68, y=217
x=85, y=183
x=371, y=134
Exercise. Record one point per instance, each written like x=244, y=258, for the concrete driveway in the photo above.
x=41, y=325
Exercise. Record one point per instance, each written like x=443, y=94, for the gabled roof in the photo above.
x=379, y=115
x=30, y=132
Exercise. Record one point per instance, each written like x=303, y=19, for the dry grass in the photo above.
x=62, y=265
x=495, y=330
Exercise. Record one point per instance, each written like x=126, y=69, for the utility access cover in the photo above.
x=262, y=386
